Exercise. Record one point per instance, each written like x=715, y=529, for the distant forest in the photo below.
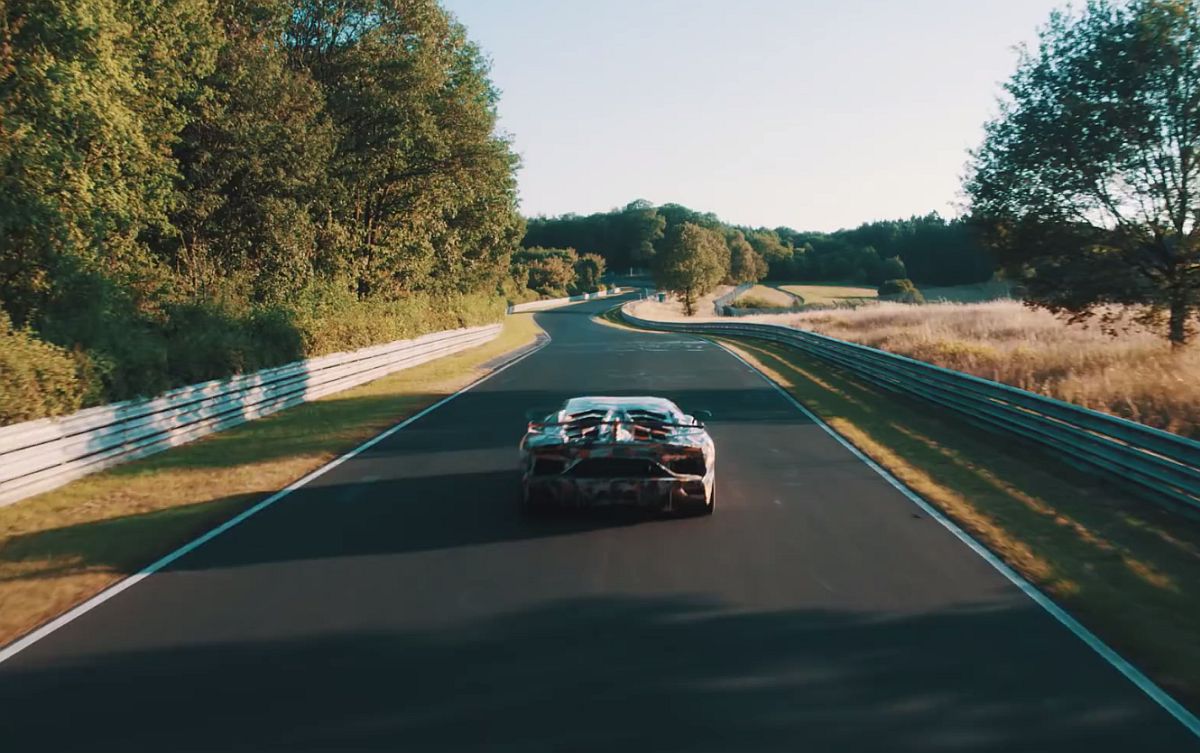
x=932, y=250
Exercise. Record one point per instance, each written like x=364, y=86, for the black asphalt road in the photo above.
x=402, y=603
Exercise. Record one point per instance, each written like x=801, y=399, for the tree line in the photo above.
x=930, y=250
x=191, y=188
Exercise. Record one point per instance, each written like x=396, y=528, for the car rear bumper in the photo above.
x=651, y=493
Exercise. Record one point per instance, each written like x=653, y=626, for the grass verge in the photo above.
x=1126, y=569
x=62, y=547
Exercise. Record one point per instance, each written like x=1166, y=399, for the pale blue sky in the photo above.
x=816, y=114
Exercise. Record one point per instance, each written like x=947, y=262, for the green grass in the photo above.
x=1127, y=569
x=59, y=548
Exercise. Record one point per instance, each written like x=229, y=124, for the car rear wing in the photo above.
x=590, y=422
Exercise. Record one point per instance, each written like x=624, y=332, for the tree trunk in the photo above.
x=1177, y=330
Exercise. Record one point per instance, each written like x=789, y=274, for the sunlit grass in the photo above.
x=820, y=294
x=59, y=548
x=764, y=296
x=1136, y=375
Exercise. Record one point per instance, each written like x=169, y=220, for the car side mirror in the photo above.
x=702, y=415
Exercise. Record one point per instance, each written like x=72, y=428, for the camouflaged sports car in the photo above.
x=641, y=451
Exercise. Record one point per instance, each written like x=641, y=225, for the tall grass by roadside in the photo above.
x=1135, y=375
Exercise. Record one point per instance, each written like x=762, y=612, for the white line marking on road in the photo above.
x=1122, y=665
x=29, y=639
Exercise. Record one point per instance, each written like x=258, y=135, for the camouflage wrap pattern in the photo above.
x=638, y=451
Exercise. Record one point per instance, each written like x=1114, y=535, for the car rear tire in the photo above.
x=529, y=507
x=700, y=510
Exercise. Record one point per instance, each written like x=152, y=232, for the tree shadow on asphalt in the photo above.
x=594, y=674
x=409, y=514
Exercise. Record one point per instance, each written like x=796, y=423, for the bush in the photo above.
x=120, y=353
x=902, y=290
x=330, y=318
x=36, y=378
x=209, y=341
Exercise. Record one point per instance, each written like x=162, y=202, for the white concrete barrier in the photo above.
x=36, y=456
x=550, y=303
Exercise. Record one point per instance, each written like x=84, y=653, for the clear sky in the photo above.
x=816, y=114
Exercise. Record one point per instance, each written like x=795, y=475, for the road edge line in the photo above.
x=1151, y=689
x=74, y=613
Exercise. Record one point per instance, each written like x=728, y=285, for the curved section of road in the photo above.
x=401, y=602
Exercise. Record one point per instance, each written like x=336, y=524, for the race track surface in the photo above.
x=402, y=603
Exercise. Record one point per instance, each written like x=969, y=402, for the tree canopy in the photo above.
x=693, y=261
x=190, y=188
x=931, y=249
x=1086, y=182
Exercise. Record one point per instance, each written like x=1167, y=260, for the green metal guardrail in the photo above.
x=1159, y=465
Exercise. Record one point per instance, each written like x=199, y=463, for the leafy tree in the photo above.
x=588, y=271
x=191, y=188
x=770, y=247
x=902, y=290
x=745, y=264
x=428, y=194
x=550, y=272
x=642, y=226
x=92, y=93
x=892, y=268
x=1086, y=182
x=254, y=162
x=691, y=264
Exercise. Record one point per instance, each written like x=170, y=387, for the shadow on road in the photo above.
x=585, y=674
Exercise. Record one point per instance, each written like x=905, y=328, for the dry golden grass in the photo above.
x=1135, y=375
x=1127, y=569
x=769, y=296
x=672, y=308
x=820, y=294
x=977, y=293
x=59, y=548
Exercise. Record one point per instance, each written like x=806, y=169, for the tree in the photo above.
x=550, y=272
x=253, y=162
x=892, y=269
x=428, y=194
x=1087, y=181
x=902, y=290
x=642, y=227
x=92, y=94
x=691, y=265
x=745, y=264
x=588, y=271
